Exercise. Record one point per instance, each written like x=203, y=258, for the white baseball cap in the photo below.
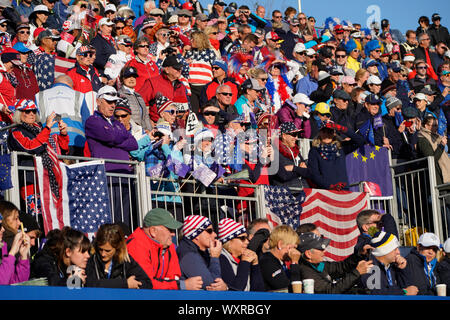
x=323, y=75
x=373, y=80
x=300, y=47
x=447, y=245
x=429, y=239
x=310, y=52
x=105, y=21
x=302, y=98
x=108, y=93
x=110, y=7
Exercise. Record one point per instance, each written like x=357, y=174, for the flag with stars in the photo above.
x=85, y=204
x=370, y=164
x=44, y=69
x=282, y=207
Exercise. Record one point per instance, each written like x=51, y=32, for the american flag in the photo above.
x=283, y=206
x=44, y=68
x=84, y=202
x=333, y=212
x=62, y=65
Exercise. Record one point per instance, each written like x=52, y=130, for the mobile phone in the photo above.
x=57, y=117
x=408, y=124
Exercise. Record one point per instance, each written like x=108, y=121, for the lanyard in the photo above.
x=108, y=275
x=389, y=276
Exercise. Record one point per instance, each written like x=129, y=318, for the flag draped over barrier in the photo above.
x=333, y=212
x=84, y=199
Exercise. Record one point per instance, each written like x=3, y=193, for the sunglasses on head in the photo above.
x=123, y=116
x=34, y=111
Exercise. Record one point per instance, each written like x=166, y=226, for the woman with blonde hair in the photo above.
x=261, y=76
x=110, y=265
x=283, y=241
x=361, y=77
x=200, y=59
x=212, y=32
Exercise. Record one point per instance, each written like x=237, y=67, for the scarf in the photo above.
x=110, y=39
x=12, y=79
x=329, y=151
x=47, y=162
x=444, y=160
x=288, y=152
x=215, y=43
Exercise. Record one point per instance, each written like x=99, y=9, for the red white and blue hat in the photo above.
x=24, y=105
x=230, y=229
x=194, y=225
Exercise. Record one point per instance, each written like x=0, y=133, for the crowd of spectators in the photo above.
x=225, y=92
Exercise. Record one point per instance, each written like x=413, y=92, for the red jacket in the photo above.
x=7, y=96
x=160, y=84
x=161, y=266
x=145, y=71
x=80, y=80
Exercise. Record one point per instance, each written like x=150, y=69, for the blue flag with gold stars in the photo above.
x=5, y=172
x=370, y=164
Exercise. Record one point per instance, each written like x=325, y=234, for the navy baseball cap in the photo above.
x=373, y=99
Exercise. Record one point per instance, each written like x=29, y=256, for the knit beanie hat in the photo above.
x=123, y=104
x=384, y=243
x=230, y=229
x=194, y=225
x=162, y=103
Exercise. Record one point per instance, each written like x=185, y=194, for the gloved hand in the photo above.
x=258, y=240
x=335, y=126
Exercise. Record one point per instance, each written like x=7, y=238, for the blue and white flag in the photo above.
x=84, y=202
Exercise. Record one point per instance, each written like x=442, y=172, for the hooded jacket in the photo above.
x=13, y=270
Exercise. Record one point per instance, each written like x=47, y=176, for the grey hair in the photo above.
x=16, y=117
x=364, y=217
x=222, y=86
x=149, y=3
x=421, y=36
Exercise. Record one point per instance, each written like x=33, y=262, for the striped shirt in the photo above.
x=200, y=70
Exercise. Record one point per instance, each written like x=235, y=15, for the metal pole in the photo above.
x=299, y=6
x=435, y=209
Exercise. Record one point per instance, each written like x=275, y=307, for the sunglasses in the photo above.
x=242, y=238
x=328, y=115
x=303, y=53
x=209, y=230
x=119, y=28
x=4, y=25
x=183, y=16
x=341, y=56
x=24, y=32
x=157, y=15
x=84, y=6
x=143, y=46
x=96, y=9
x=87, y=54
x=263, y=79
x=278, y=17
x=216, y=68
x=226, y=94
x=210, y=113
x=123, y=116
x=34, y=111
x=214, y=33
x=172, y=112
x=421, y=67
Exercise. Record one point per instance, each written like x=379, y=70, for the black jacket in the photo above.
x=104, y=50
x=343, y=117
x=380, y=286
x=120, y=272
x=438, y=34
x=443, y=269
x=336, y=277
x=275, y=275
x=415, y=270
x=45, y=265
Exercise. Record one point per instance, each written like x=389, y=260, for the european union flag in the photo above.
x=442, y=123
x=5, y=172
x=371, y=164
x=398, y=119
x=366, y=130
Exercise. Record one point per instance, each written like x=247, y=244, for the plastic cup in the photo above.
x=441, y=289
x=308, y=286
x=296, y=286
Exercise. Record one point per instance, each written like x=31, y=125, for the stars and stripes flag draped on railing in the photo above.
x=84, y=199
x=333, y=212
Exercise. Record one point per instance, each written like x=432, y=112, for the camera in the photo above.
x=57, y=117
x=169, y=51
x=158, y=134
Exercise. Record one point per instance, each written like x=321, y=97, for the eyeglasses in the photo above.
x=24, y=32
x=242, y=238
x=341, y=56
x=263, y=79
x=143, y=46
x=119, y=28
x=209, y=230
x=4, y=25
x=216, y=68
x=183, y=16
x=278, y=17
x=210, y=113
x=34, y=111
x=328, y=115
x=423, y=67
x=302, y=53
x=172, y=112
x=123, y=116
x=156, y=15
x=229, y=94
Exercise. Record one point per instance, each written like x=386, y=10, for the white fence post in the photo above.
x=435, y=207
x=13, y=194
